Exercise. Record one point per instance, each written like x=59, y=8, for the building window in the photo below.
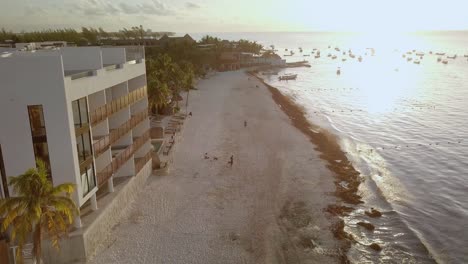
x=39, y=135
x=84, y=144
x=88, y=181
x=80, y=112
x=4, y=182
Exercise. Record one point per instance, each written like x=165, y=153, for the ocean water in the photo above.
x=403, y=125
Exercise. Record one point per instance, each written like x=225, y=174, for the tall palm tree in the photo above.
x=39, y=209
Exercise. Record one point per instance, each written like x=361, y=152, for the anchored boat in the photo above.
x=287, y=77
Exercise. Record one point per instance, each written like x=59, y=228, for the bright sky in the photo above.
x=237, y=15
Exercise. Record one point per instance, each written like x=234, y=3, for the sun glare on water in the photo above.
x=385, y=78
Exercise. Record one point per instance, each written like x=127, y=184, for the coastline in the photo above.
x=347, y=178
x=270, y=206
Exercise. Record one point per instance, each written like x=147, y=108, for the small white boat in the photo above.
x=409, y=59
x=416, y=62
x=333, y=57
x=344, y=59
x=445, y=62
x=329, y=55
x=440, y=53
x=338, y=72
x=317, y=56
x=452, y=57
x=360, y=59
x=287, y=77
x=439, y=59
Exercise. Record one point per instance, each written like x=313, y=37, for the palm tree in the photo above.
x=39, y=209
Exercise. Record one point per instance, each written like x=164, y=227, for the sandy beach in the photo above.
x=268, y=207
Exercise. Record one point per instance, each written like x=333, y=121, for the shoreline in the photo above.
x=269, y=206
x=327, y=145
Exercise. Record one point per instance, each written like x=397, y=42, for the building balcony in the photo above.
x=106, y=141
x=121, y=158
x=141, y=162
x=103, y=112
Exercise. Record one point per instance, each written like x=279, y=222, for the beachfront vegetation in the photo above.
x=87, y=35
x=39, y=209
x=224, y=45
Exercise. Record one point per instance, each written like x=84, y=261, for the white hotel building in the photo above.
x=81, y=110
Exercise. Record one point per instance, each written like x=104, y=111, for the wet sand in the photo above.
x=271, y=206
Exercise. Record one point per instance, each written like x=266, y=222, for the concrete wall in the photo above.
x=30, y=79
x=82, y=58
x=103, y=80
x=82, y=245
x=113, y=55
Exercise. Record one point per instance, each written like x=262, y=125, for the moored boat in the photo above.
x=287, y=77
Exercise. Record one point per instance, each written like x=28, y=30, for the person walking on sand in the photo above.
x=245, y=123
x=231, y=161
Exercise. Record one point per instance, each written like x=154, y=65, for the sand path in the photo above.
x=266, y=208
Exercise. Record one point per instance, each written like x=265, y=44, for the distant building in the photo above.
x=234, y=60
x=164, y=42
x=167, y=41
x=229, y=61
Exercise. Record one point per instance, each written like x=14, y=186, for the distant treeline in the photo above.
x=87, y=35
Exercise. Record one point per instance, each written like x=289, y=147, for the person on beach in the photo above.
x=231, y=161
x=206, y=155
x=245, y=123
x=190, y=114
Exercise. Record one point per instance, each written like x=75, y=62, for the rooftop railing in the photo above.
x=135, y=53
x=104, y=143
x=116, y=105
x=121, y=159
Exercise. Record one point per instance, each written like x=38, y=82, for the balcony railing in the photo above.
x=104, y=143
x=116, y=105
x=122, y=158
x=141, y=162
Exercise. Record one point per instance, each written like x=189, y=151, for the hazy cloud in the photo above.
x=108, y=7
x=33, y=10
x=129, y=9
x=94, y=8
x=191, y=5
x=156, y=8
